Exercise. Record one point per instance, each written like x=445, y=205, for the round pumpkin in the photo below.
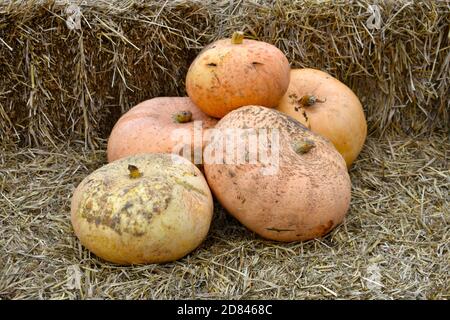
x=328, y=107
x=231, y=73
x=306, y=196
x=150, y=127
x=148, y=208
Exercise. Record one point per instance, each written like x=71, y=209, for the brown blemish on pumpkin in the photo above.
x=129, y=218
x=89, y=205
x=275, y=118
x=218, y=81
x=306, y=119
x=299, y=107
x=278, y=229
x=127, y=206
x=231, y=173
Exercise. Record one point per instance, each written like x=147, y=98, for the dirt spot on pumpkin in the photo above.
x=136, y=205
x=89, y=205
x=231, y=173
x=128, y=205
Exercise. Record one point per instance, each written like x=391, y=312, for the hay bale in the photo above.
x=400, y=71
x=62, y=83
x=59, y=82
x=394, y=243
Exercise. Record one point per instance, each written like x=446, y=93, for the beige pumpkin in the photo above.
x=148, y=208
x=305, y=197
x=328, y=107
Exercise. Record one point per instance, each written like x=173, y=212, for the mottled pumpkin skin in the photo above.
x=226, y=76
x=148, y=127
x=158, y=217
x=338, y=116
x=305, y=199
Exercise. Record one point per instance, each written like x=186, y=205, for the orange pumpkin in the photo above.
x=149, y=127
x=328, y=107
x=231, y=73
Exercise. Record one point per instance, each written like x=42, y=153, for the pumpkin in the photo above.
x=231, y=73
x=305, y=197
x=328, y=107
x=149, y=208
x=151, y=125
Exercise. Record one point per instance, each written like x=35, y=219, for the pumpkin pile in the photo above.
x=153, y=202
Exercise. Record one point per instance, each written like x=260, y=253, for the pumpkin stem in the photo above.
x=134, y=172
x=309, y=100
x=182, y=116
x=303, y=146
x=237, y=38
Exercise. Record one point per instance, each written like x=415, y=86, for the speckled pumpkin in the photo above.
x=328, y=107
x=149, y=208
x=231, y=73
x=305, y=198
x=149, y=127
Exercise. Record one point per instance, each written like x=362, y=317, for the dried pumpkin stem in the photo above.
x=134, y=172
x=309, y=100
x=182, y=116
x=303, y=146
x=237, y=38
